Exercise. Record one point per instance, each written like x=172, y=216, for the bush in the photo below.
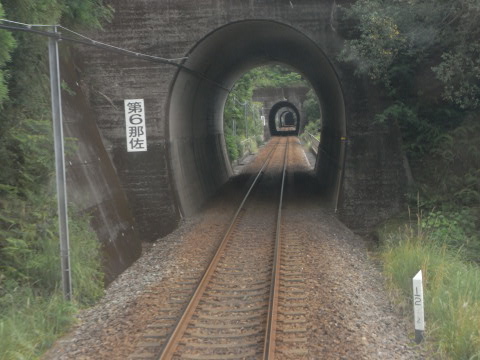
x=7, y=43
x=30, y=323
x=452, y=290
x=455, y=229
x=29, y=251
x=232, y=148
x=240, y=146
x=251, y=144
x=259, y=140
x=32, y=310
x=314, y=127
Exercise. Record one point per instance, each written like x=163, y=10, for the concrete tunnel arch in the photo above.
x=198, y=157
x=273, y=114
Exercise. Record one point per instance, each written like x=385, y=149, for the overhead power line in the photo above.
x=55, y=84
x=85, y=40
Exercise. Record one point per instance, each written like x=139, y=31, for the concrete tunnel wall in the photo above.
x=186, y=161
x=92, y=183
x=274, y=113
x=198, y=156
x=272, y=95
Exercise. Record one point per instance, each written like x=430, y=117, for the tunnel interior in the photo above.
x=284, y=119
x=198, y=157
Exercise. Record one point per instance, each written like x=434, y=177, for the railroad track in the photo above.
x=249, y=303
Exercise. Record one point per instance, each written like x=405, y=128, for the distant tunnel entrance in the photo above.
x=284, y=119
x=195, y=115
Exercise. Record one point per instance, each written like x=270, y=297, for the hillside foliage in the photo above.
x=424, y=54
x=32, y=310
x=242, y=124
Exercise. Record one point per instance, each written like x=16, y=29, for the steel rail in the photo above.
x=271, y=329
x=182, y=324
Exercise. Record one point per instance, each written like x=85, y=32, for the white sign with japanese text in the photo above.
x=418, y=302
x=135, y=125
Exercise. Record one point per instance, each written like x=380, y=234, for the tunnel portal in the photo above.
x=284, y=116
x=359, y=166
x=198, y=157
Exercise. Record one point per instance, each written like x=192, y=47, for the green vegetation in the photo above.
x=243, y=128
x=7, y=43
x=31, y=323
x=32, y=310
x=424, y=54
x=452, y=287
x=270, y=76
x=312, y=113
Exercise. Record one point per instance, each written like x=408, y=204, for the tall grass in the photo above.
x=32, y=310
x=30, y=323
x=451, y=285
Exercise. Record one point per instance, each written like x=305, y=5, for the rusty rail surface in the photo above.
x=270, y=334
x=181, y=326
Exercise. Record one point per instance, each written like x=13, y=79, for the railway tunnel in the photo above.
x=198, y=155
x=359, y=164
x=283, y=114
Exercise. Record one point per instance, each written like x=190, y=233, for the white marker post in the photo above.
x=418, y=307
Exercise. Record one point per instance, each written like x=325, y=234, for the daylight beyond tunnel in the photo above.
x=197, y=148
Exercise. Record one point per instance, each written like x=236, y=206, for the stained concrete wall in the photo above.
x=359, y=165
x=275, y=114
x=92, y=183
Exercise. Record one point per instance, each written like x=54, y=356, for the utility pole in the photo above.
x=60, y=165
x=54, y=37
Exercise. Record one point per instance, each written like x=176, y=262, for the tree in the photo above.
x=391, y=38
x=312, y=112
x=240, y=110
x=7, y=44
x=426, y=53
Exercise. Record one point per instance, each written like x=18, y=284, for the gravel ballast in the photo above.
x=349, y=312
